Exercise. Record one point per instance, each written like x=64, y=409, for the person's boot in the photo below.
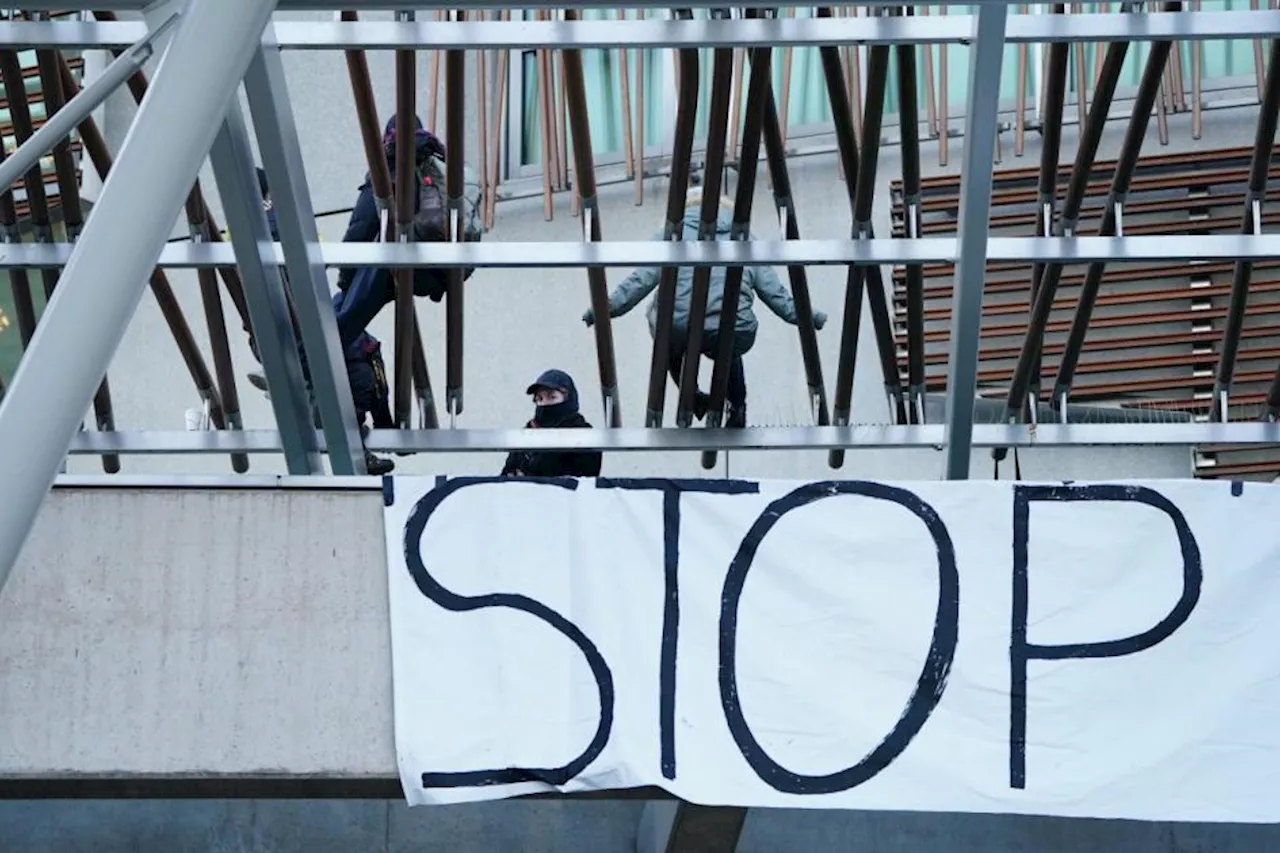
x=376, y=465
x=259, y=381
x=737, y=417
x=701, y=404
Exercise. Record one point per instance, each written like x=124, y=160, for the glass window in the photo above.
x=806, y=107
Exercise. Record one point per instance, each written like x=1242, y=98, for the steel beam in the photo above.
x=656, y=33
x=721, y=253
x=1047, y=196
x=909, y=143
x=277, y=132
x=853, y=437
x=86, y=320
x=69, y=189
x=860, y=182
x=60, y=124
x=759, y=86
x=224, y=403
x=1250, y=223
x=1130, y=150
x=406, y=197
x=380, y=183
x=230, y=276
x=985, y=60
x=264, y=290
x=377, y=5
x=708, y=216
x=19, y=283
x=96, y=148
x=55, y=102
x=784, y=204
x=455, y=94
x=1045, y=285
x=673, y=232
x=584, y=174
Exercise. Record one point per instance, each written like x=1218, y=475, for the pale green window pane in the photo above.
x=808, y=102
x=10, y=338
x=602, y=73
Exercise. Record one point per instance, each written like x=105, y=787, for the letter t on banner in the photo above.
x=671, y=490
x=1021, y=651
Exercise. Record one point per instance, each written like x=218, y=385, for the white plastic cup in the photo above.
x=195, y=419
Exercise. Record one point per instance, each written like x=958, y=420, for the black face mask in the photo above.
x=549, y=416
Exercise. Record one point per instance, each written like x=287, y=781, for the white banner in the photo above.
x=1108, y=651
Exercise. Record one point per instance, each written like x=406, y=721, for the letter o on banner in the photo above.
x=929, y=686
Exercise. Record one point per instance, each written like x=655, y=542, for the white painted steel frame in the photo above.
x=985, y=61
x=853, y=437
x=86, y=319
x=479, y=5
x=621, y=253
x=31, y=427
x=655, y=33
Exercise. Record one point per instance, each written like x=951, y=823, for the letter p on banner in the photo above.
x=1021, y=651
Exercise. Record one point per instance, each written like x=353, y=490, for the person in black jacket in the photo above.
x=556, y=398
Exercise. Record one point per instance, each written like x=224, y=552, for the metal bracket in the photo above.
x=912, y=221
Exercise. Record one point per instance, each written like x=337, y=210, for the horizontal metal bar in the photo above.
x=743, y=32
x=477, y=5
x=865, y=436
x=132, y=786
x=648, y=253
x=303, y=483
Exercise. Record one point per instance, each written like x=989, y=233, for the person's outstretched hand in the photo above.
x=819, y=319
x=589, y=318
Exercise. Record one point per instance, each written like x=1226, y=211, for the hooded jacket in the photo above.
x=365, y=222
x=562, y=416
x=755, y=280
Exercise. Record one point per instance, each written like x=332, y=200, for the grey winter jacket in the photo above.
x=755, y=279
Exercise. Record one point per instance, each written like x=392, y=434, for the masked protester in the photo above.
x=756, y=280
x=556, y=400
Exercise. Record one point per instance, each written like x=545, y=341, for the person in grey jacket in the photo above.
x=756, y=280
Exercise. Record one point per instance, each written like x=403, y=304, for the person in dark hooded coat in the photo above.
x=756, y=280
x=366, y=371
x=556, y=398
x=365, y=291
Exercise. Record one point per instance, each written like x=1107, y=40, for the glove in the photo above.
x=819, y=319
x=589, y=318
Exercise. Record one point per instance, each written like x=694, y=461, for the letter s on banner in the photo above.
x=929, y=686
x=451, y=601
x=1020, y=651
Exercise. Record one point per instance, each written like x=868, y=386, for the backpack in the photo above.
x=431, y=216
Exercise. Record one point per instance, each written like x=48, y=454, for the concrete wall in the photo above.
x=367, y=826
x=171, y=633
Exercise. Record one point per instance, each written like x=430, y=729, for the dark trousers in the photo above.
x=369, y=292
x=369, y=391
x=742, y=342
